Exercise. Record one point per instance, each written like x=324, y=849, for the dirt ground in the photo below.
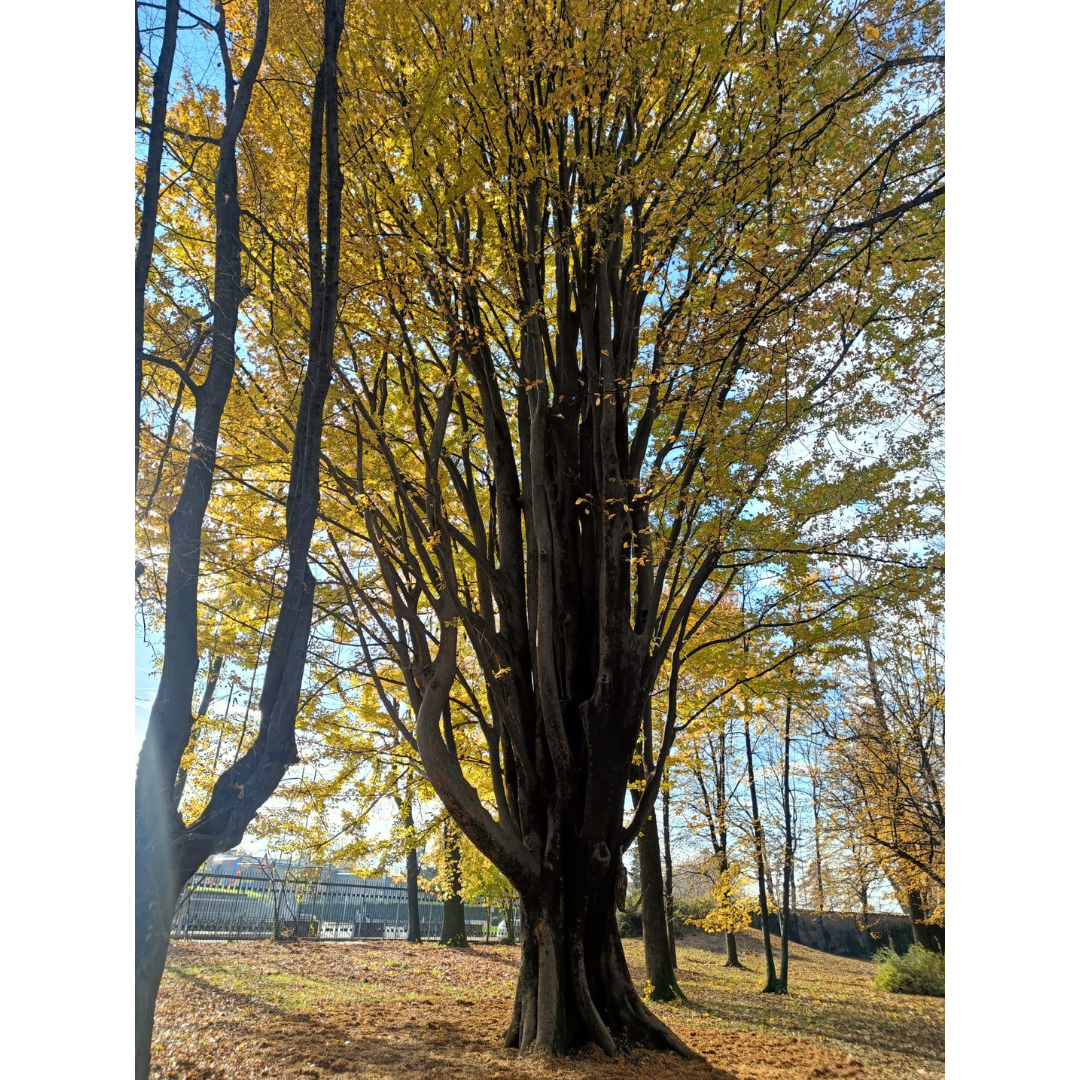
x=387, y=1010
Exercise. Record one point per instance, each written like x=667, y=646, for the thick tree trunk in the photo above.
x=157, y=887
x=929, y=936
x=732, y=952
x=453, y=928
x=574, y=987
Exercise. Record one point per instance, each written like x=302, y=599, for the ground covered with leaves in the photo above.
x=386, y=1010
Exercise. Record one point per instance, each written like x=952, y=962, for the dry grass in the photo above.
x=390, y=1011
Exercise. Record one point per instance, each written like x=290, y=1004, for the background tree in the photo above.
x=888, y=781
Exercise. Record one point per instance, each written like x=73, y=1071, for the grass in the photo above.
x=388, y=1010
x=831, y=1002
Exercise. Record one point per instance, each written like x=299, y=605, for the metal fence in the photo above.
x=252, y=903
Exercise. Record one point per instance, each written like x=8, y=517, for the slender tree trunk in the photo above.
x=511, y=938
x=453, y=931
x=819, y=905
x=720, y=833
x=771, y=982
x=720, y=770
x=200, y=715
x=669, y=891
x=785, y=908
x=770, y=882
x=659, y=968
x=659, y=958
x=163, y=858
x=412, y=881
x=144, y=253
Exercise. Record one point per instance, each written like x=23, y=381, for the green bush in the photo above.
x=692, y=907
x=915, y=972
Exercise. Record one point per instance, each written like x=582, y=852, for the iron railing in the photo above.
x=253, y=903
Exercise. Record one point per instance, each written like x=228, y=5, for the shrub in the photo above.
x=688, y=909
x=915, y=972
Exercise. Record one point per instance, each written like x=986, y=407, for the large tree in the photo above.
x=639, y=295
x=168, y=848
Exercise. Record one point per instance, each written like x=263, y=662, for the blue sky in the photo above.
x=146, y=681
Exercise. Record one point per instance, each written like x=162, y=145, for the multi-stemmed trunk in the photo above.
x=168, y=850
x=574, y=986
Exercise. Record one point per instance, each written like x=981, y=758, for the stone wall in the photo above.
x=844, y=934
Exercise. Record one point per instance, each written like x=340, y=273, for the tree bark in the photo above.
x=930, y=936
x=819, y=870
x=785, y=909
x=511, y=938
x=669, y=892
x=454, y=932
x=412, y=882
x=573, y=985
x=144, y=253
x=200, y=714
x=771, y=982
x=167, y=852
x=659, y=968
x=717, y=822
